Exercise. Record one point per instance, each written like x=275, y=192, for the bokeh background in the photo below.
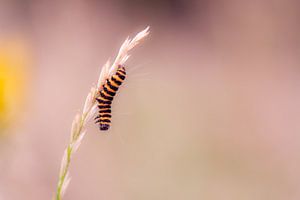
x=210, y=109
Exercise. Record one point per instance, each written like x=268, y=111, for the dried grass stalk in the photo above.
x=90, y=108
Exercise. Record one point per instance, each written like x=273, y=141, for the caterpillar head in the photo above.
x=104, y=127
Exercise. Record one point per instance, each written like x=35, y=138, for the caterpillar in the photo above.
x=106, y=96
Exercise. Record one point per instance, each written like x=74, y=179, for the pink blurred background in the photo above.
x=210, y=109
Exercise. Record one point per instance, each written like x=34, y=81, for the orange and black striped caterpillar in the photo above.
x=106, y=96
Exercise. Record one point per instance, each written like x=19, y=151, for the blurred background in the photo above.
x=210, y=109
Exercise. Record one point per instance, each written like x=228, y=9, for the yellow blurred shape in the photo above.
x=14, y=60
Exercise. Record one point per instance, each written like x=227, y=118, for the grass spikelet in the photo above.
x=89, y=109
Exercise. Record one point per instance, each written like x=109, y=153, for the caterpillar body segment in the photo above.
x=106, y=96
